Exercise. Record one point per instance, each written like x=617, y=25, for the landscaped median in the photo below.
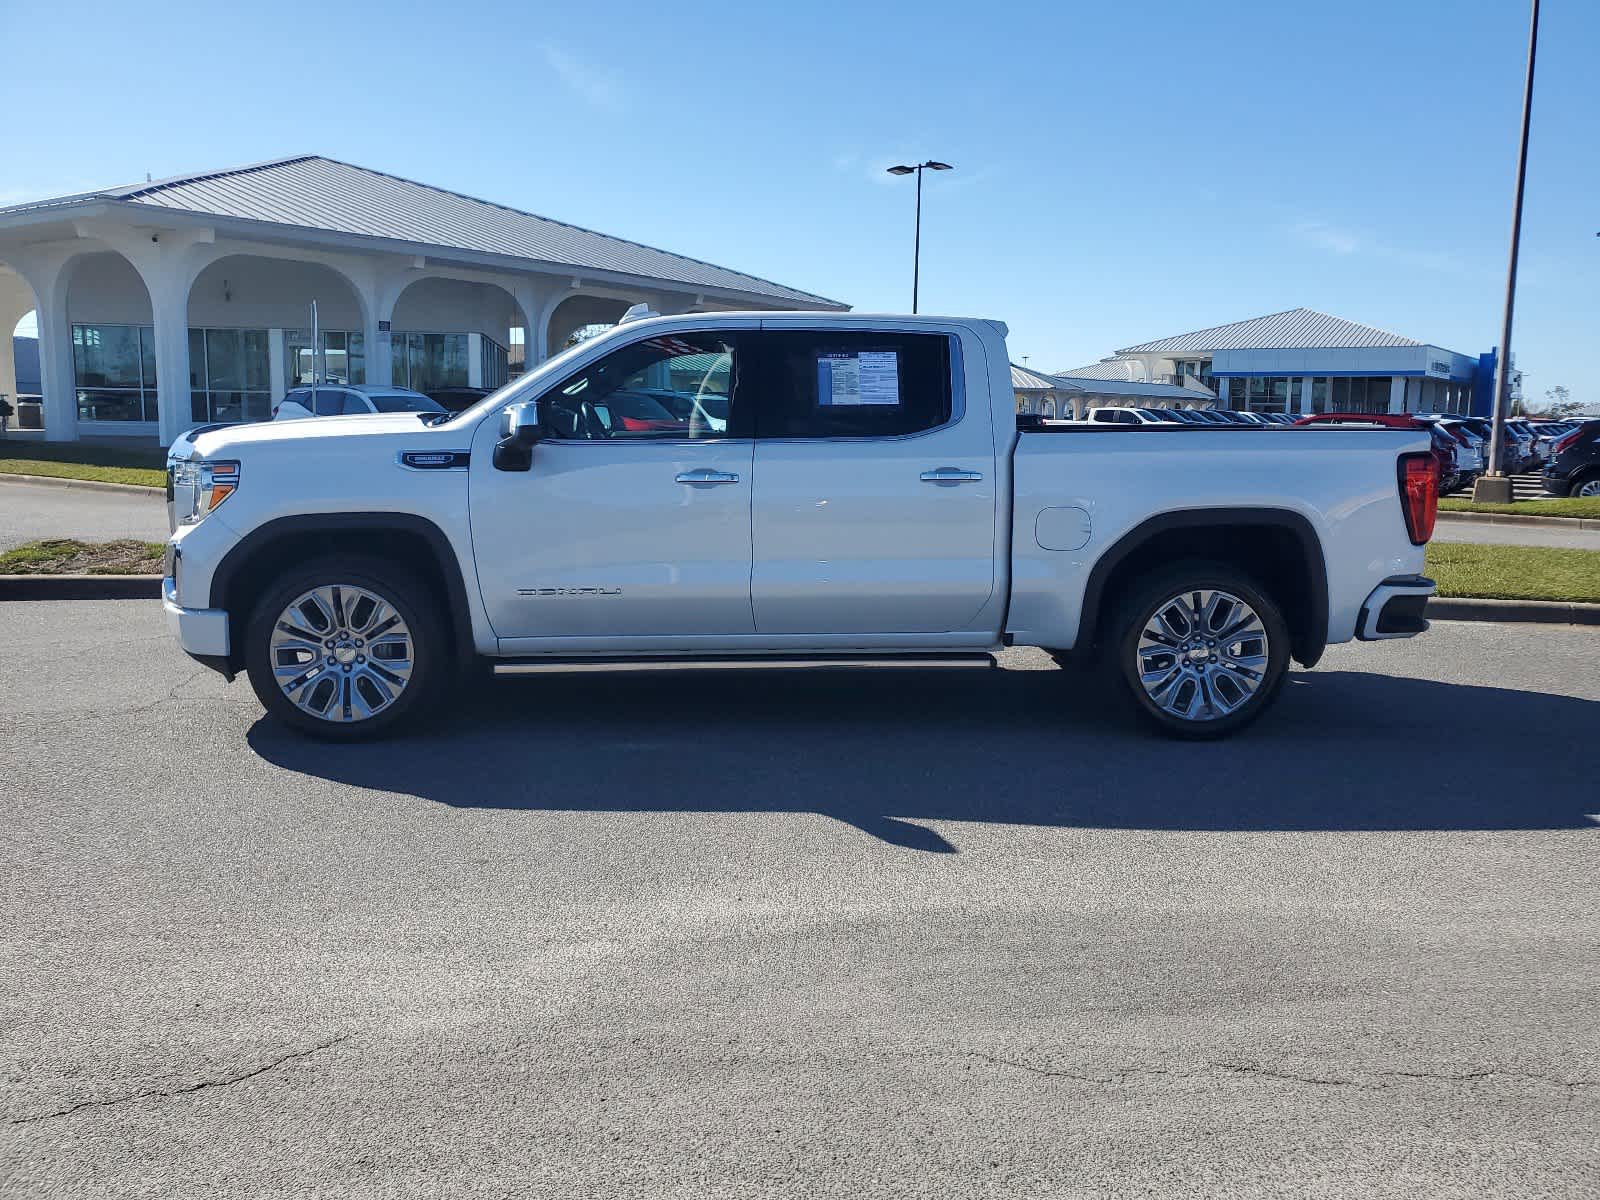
x=139, y=466
x=67, y=569
x=1567, y=507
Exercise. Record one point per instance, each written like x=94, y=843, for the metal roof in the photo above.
x=1297, y=329
x=1107, y=368
x=1128, y=387
x=1024, y=380
x=312, y=192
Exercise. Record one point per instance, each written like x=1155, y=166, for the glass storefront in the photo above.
x=1360, y=395
x=344, y=357
x=229, y=375
x=1265, y=393
x=428, y=361
x=495, y=364
x=114, y=370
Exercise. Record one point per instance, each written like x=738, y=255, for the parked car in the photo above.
x=1444, y=447
x=1470, y=457
x=456, y=399
x=1518, y=449
x=1574, y=467
x=364, y=564
x=1114, y=415
x=1547, y=434
x=350, y=399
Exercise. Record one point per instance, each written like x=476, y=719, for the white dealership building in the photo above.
x=167, y=304
x=1302, y=361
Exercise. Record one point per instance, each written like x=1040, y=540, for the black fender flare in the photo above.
x=445, y=559
x=1312, y=637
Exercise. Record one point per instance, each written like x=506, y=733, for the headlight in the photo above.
x=199, y=486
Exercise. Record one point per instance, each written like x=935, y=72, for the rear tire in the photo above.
x=1199, y=648
x=347, y=649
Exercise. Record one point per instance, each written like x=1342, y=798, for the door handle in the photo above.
x=706, y=475
x=951, y=475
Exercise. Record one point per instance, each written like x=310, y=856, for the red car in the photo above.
x=1444, y=446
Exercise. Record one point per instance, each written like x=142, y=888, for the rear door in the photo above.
x=875, y=492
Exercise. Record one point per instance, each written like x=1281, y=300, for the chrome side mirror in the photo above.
x=520, y=429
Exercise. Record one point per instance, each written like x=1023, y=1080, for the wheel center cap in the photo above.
x=345, y=652
x=1199, y=654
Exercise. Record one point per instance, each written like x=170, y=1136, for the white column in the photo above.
x=277, y=376
x=57, y=380
x=8, y=366
x=475, y=360
x=1397, y=394
x=1305, y=396
x=168, y=285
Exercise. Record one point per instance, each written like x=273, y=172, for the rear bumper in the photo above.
x=202, y=632
x=1394, y=610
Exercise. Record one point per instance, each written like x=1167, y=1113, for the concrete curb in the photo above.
x=92, y=485
x=1583, y=523
x=80, y=587
x=1543, y=612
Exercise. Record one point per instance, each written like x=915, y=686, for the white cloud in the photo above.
x=595, y=86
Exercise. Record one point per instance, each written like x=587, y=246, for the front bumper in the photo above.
x=202, y=632
x=1394, y=610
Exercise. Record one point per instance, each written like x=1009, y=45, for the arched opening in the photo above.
x=456, y=333
x=250, y=336
x=578, y=318
x=111, y=335
x=21, y=389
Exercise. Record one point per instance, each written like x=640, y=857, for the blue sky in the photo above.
x=1124, y=171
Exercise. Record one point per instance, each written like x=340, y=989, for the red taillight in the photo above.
x=1562, y=445
x=1419, y=495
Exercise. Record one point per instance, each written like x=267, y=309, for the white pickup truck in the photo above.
x=783, y=489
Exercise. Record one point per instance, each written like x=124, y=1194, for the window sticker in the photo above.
x=852, y=378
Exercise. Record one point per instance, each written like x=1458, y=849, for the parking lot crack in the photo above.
x=203, y=1085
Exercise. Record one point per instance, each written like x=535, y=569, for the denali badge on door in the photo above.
x=434, y=460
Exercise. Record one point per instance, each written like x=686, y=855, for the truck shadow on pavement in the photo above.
x=882, y=749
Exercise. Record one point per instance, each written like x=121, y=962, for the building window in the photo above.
x=494, y=364
x=344, y=358
x=1319, y=395
x=1264, y=393
x=1361, y=395
x=430, y=361
x=229, y=375
x=114, y=368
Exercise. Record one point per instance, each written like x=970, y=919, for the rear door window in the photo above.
x=329, y=401
x=847, y=384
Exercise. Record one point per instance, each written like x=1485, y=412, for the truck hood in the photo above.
x=219, y=442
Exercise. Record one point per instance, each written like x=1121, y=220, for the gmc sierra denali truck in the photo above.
x=783, y=489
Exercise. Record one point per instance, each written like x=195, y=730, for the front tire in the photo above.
x=1201, y=649
x=346, y=649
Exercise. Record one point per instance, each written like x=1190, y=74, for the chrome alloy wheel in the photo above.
x=341, y=653
x=1202, y=655
x=1589, y=487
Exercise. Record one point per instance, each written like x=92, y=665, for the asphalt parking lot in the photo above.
x=847, y=934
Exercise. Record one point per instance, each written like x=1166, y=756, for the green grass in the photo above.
x=143, y=466
x=1514, y=572
x=68, y=556
x=1586, y=506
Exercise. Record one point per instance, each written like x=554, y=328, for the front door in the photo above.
x=634, y=520
x=875, y=493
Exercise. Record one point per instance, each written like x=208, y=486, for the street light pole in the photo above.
x=1495, y=487
x=916, y=245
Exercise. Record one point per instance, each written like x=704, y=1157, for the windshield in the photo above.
x=393, y=402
